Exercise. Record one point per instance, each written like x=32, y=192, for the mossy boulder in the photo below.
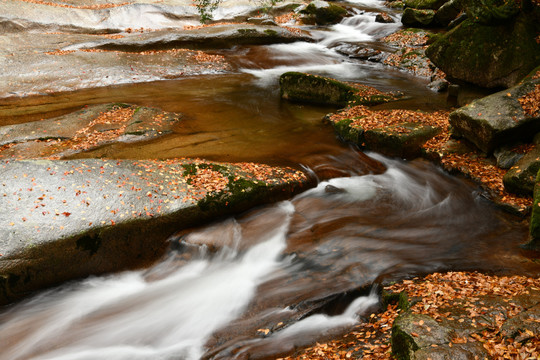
x=448, y=12
x=534, y=228
x=418, y=18
x=497, y=119
x=408, y=336
x=322, y=13
x=301, y=87
x=488, y=55
x=402, y=140
x=424, y=4
x=521, y=178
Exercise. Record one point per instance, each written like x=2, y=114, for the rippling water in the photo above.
x=275, y=268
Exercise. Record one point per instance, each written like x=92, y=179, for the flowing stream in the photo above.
x=281, y=276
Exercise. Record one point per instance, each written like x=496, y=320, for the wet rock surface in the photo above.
x=498, y=119
x=52, y=47
x=402, y=140
x=69, y=219
x=83, y=130
x=301, y=87
x=458, y=334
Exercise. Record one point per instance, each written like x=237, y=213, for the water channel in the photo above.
x=303, y=269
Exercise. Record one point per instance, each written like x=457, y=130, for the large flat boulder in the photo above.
x=49, y=47
x=501, y=118
x=63, y=220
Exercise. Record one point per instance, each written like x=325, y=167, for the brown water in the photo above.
x=302, y=268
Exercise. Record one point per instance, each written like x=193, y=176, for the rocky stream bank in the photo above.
x=69, y=218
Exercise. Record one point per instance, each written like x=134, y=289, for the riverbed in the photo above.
x=279, y=277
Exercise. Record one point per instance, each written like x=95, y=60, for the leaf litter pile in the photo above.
x=483, y=302
x=531, y=102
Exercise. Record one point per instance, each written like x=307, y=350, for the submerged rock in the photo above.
x=501, y=118
x=68, y=219
x=83, y=130
x=321, y=90
x=488, y=55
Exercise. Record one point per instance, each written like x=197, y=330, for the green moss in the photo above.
x=348, y=133
x=270, y=32
x=320, y=90
x=485, y=55
x=534, y=228
x=401, y=298
x=331, y=14
x=237, y=192
x=424, y=4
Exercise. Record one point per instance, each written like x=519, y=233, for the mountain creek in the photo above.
x=279, y=276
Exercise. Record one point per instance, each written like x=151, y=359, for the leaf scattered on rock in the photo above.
x=371, y=340
x=530, y=102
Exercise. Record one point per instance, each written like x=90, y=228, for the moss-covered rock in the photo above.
x=321, y=90
x=322, y=13
x=534, y=228
x=424, y=4
x=402, y=140
x=497, y=119
x=488, y=55
x=408, y=336
x=448, y=12
x=521, y=177
x=418, y=18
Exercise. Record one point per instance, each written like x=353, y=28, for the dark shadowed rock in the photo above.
x=448, y=12
x=424, y=4
x=488, y=55
x=418, y=18
x=521, y=177
x=497, y=119
x=534, y=227
x=506, y=158
x=322, y=13
x=384, y=18
x=64, y=220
